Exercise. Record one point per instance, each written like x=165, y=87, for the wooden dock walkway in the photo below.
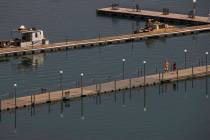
x=68, y=45
x=104, y=88
x=128, y=12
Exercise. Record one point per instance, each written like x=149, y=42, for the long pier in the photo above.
x=145, y=14
x=104, y=88
x=202, y=25
x=69, y=45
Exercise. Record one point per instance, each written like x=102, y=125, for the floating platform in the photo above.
x=145, y=14
x=104, y=88
x=69, y=45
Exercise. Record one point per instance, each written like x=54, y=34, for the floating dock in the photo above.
x=202, y=25
x=145, y=14
x=104, y=88
x=69, y=45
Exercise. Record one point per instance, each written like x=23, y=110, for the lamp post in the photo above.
x=15, y=122
x=194, y=8
x=206, y=53
x=81, y=82
x=144, y=62
x=82, y=110
x=185, y=58
x=123, y=60
x=15, y=90
x=61, y=82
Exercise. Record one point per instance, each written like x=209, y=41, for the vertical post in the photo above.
x=206, y=53
x=0, y=109
x=49, y=97
x=185, y=58
x=61, y=82
x=141, y=72
x=138, y=72
x=177, y=74
x=156, y=69
x=192, y=76
x=81, y=85
x=15, y=86
x=130, y=85
x=194, y=8
x=177, y=77
x=159, y=76
x=123, y=60
x=99, y=36
x=144, y=62
x=115, y=91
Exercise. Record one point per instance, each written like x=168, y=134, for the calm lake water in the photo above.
x=171, y=114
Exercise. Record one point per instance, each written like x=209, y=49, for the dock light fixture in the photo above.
x=123, y=60
x=145, y=109
x=194, y=8
x=206, y=53
x=144, y=62
x=81, y=82
x=185, y=58
x=15, y=90
x=61, y=81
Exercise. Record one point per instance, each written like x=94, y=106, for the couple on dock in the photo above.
x=166, y=66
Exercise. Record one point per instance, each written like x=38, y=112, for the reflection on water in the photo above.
x=31, y=61
x=152, y=104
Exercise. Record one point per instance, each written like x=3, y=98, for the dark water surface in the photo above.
x=182, y=114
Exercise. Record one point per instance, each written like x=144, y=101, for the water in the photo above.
x=172, y=115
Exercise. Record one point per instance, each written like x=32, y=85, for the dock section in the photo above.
x=105, y=88
x=145, y=14
x=69, y=45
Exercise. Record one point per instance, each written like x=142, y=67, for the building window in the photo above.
x=36, y=35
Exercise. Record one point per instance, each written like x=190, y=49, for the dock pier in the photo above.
x=146, y=14
x=71, y=45
x=202, y=25
x=109, y=87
